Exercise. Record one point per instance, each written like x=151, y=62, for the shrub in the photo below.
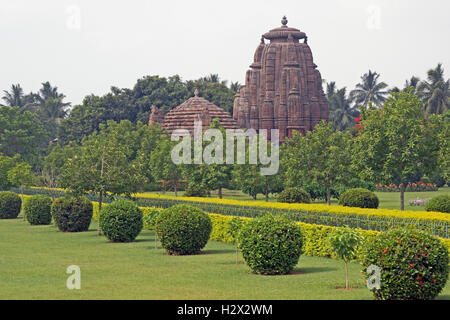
x=271, y=244
x=149, y=216
x=10, y=205
x=294, y=195
x=440, y=203
x=183, y=229
x=72, y=214
x=121, y=221
x=195, y=191
x=413, y=264
x=359, y=197
x=37, y=210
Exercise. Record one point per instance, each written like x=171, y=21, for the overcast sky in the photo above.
x=88, y=46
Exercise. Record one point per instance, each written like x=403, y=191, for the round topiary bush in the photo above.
x=10, y=205
x=72, y=214
x=37, y=210
x=121, y=221
x=413, y=264
x=440, y=203
x=183, y=229
x=359, y=197
x=271, y=244
x=294, y=195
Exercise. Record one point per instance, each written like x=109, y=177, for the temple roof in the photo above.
x=196, y=109
x=284, y=32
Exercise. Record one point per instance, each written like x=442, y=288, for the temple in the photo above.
x=283, y=88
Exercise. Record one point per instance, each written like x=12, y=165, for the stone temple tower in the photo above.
x=283, y=88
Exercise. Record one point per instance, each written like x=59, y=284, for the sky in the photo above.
x=87, y=46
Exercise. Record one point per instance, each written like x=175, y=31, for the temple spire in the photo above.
x=284, y=21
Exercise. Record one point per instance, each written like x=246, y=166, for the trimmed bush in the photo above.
x=440, y=203
x=10, y=205
x=294, y=195
x=271, y=244
x=121, y=221
x=359, y=197
x=195, y=191
x=37, y=210
x=183, y=229
x=414, y=264
x=72, y=214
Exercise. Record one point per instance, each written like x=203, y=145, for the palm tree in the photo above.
x=14, y=97
x=331, y=89
x=50, y=103
x=342, y=114
x=369, y=90
x=235, y=86
x=435, y=91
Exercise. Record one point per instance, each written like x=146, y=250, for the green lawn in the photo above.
x=33, y=262
x=388, y=200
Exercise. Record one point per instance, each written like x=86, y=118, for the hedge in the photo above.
x=436, y=223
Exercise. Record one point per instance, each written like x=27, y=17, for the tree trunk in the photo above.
x=220, y=192
x=21, y=207
x=328, y=195
x=402, y=197
x=237, y=254
x=346, y=275
x=100, y=200
x=175, y=189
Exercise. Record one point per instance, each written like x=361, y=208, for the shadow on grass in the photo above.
x=312, y=270
x=218, y=251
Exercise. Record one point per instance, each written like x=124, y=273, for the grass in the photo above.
x=33, y=262
x=388, y=200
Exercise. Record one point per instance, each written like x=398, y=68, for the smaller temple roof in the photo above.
x=195, y=109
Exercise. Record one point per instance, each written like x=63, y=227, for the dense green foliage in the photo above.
x=413, y=264
x=183, y=229
x=72, y=214
x=21, y=133
x=121, y=221
x=37, y=210
x=440, y=203
x=322, y=155
x=271, y=244
x=395, y=142
x=359, y=197
x=294, y=195
x=10, y=205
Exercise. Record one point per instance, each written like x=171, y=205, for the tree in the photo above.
x=105, y=164
x=322, y=156
x=369, y=90
x=20, y=133
x=6, y=164
x=444, y=146
x=395, y=142
x=53, y=165
x=342, y=114
x=21, y=176
x=161, y=164
x=344, y=242
x=435, y=93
